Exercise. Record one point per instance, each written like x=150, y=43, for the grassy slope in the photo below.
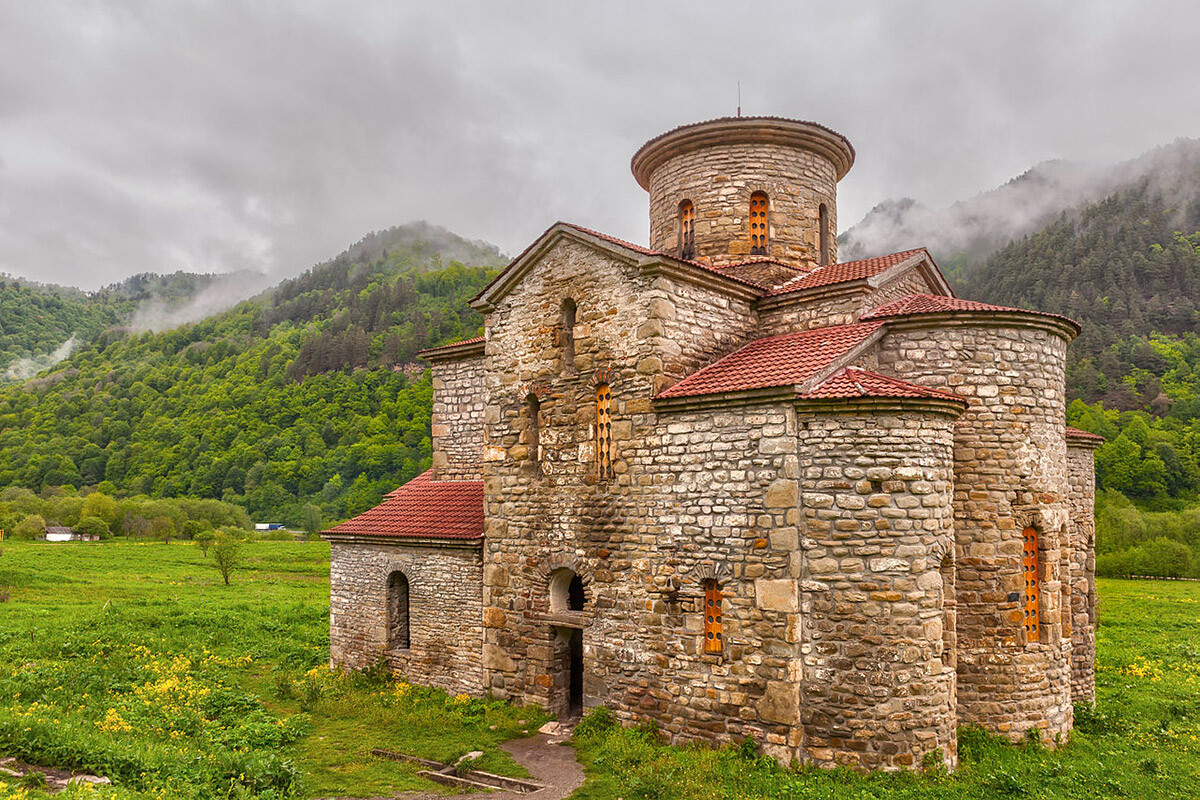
x=90, y=628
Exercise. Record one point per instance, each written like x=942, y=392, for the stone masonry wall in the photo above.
x=1010, y=471
x=1081, y=470
x=459, y=399
x=719, y=181
x=878, y=664
x=445, y=611
x=840, y=309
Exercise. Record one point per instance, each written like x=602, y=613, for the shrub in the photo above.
x=93, y=526
x=29, y=528
x=597, y=721
x=204, y=539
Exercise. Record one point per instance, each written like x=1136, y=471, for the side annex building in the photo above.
x=730, y=485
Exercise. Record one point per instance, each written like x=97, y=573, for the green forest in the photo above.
x=303, y=401
x=308, y=403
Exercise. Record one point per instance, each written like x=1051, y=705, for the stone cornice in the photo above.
x=797, y=134
x=1061, y=326
x=404, y=541
x=878, y=405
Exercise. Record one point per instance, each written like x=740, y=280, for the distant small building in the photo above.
x=268, y=526
x=61, y=533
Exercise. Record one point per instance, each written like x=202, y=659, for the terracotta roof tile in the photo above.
x=423, y=508
x=784, y=360
x=474, y=340
x=936, y=304
x=847, y=271
x=854, y=382
x=1075, y=433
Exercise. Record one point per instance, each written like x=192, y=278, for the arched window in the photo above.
x=567, y=334
x=687, y=230
x=604, y=431
x=533, y=431
x=759, y=219
x=824, y=234
x=566, y=591
x=1029, y=568
x=713, y=640
x=397, y=600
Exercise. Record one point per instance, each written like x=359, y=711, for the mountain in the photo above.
x=304, y=394
x=963, y=235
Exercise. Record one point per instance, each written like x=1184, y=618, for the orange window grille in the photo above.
x=1029, y=565
x=758, y=224
x=687, y=229
x=713, y=642
x=604, y=431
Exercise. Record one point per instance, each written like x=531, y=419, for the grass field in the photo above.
x=135, y=661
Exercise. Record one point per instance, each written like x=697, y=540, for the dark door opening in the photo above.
x=575, y=681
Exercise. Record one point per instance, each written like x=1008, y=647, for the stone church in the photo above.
x=730, y=485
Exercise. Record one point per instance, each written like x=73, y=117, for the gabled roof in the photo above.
x=790, y=359
x=863, y=269
x=854, y=382
x=916, y=304
x=422, y=509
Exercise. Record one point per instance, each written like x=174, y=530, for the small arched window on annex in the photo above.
x=533, y=431
x=566, y=591
x=1031, y=592
x=714, y=639
x=397, y=611
x=687, y=230
x=567, y=335
x=604, y=444
x=825, y=234
x=759, y=224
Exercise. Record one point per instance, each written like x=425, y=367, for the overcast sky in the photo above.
x=155, y=136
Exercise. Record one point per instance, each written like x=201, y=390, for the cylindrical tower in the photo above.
x=740, y=188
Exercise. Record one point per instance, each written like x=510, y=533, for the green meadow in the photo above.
x=135, y=661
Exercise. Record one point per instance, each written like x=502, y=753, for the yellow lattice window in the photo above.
x=713, y=641
x=604, y=431
x=1029, y=569
x=687, y=229
x=758, y=224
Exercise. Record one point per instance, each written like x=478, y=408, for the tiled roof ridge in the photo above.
x=873, y=384
x=915, y=304
x=846, y=271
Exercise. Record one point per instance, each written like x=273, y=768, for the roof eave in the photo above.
x=453, y=352
x=459, y=543
x=1067, y=328
x=876, y=405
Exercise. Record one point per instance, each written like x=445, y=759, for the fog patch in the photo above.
x=25, y=368
x=223, y=293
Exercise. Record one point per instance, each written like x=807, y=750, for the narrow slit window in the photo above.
x=397, y=592
x=759, y=220
x=1029, y=568
x=604, y=431
x=567, y=336
x=533, y=433
x=687, y=230
x=823, y=224
x=714, y=642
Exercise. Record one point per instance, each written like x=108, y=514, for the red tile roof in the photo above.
x=1075, y=433
x=475, y=340
x=848, y=271
x=855, y=382
x=935, y=304
x=785, y=360
x=423, y=508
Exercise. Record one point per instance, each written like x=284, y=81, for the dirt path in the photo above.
x=549, y=759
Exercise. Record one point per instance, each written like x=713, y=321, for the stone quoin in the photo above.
x=731, y=486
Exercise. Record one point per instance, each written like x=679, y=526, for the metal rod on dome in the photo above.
x=739, y=83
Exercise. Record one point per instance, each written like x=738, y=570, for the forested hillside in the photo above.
x=305, y=395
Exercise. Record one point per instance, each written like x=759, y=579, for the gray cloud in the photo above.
x=155, y=136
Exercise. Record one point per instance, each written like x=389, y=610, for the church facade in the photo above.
x=730, y=485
